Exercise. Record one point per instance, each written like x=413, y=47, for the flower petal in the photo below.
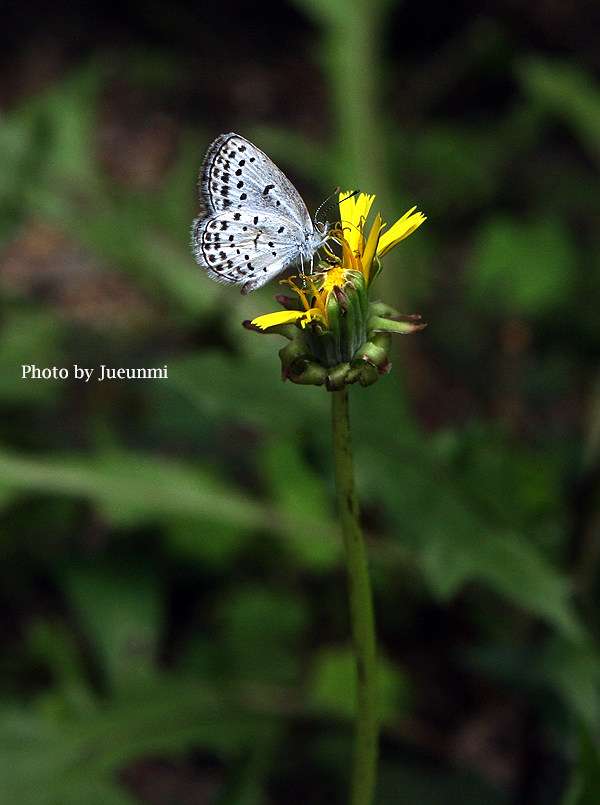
x=353, y=213
x=400, y=230
x=275, y=319
x=371, y=247
x=280, y=317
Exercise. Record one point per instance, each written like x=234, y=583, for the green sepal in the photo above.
x=383, y=340
x=312, y=374
x=347, y=312
x=359, y=299
x=297, y=365
x=375, y=270
x=294, y=352
x=381, y=309
x=289, y=331
x=368, y=375
x=377, y=324
x=375, y=354
x=352, y=348
x=323, y=347
x=338, y=377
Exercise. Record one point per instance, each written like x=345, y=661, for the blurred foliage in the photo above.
x=172, y=580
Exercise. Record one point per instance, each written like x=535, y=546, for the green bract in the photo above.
x=336, y=335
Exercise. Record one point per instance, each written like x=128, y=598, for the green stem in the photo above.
x=361, y=608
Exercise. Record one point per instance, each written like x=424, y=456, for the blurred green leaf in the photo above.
x=133, y=489
x=523, y=267
x=30, y=338
x=263, y=630
x=585, y=785
x=457, y=550
x=573, y=671
x=212, y=380
x=332, y=685
x=422, y=783
x=76, y=761
x=48, y=149
x=212, y=543
x=52, y=644
x=121, y=612
x=567, y=91
x=300, y=494
x=440, y=527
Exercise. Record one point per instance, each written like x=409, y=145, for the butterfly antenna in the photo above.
x=337, y=190
x=320, y=207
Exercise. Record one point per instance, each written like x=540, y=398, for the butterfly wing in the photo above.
x=236, y=174
x=254, y=222
x=245, y=246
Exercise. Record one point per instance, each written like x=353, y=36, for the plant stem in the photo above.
x=361, y=608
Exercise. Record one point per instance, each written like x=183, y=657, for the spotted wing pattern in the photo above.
x=254, y=222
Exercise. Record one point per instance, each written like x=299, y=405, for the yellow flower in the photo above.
x=338, y=337
x=316, y=313
x=359, y=255
x=354, y=211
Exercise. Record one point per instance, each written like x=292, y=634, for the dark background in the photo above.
x=173, y=616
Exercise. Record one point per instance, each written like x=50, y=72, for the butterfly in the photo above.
x=253, y=223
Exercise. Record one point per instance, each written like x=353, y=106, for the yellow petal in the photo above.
x=400, y=230
x=313, y=315
x=290, y=281
x=353, y=213
x=275, y=319
x=362, y=207
x=371, y=246
x=288, y=317
x=349, y=198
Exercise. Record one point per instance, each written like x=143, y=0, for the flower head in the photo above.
x=336, y=336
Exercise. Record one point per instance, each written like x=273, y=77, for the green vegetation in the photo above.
x=172, y=575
